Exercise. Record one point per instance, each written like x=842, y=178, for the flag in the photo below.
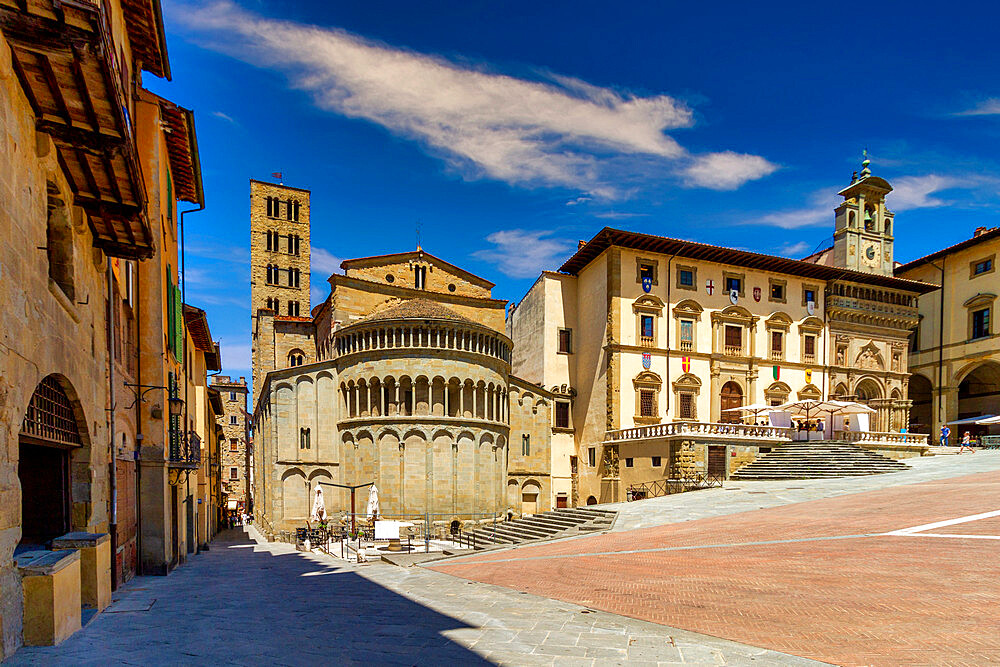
x=277, y=175
x=777, y=373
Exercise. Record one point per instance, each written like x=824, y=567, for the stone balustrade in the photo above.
x=882, y=437
x=701, y=430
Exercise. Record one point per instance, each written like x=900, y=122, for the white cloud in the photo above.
x=911, y=192
x=316, y=294
x=224, y=116
x=235, y=357
x=524, y=254
x=795, y=249
x=557, y=132
x=726, y=170
x=324, y=262
x=988, y=107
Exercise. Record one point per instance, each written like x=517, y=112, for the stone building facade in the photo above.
x=955, y=349
x=92, y=167
x=235, y=450
x=650, y=340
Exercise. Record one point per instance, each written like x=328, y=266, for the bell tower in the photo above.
x=862, y=238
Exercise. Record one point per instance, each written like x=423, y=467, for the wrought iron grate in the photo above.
x=50, y=415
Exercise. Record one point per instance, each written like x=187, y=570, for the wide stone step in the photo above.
x=817, y=460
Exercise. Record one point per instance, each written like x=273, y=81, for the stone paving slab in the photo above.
x=251, y=602
x=825, y=579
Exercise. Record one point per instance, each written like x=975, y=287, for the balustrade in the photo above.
x=700, y=429
x=646, y=341
x=882, y=437
x=733, y=350
x=350, y=340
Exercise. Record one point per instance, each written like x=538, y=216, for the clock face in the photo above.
x=871, y=252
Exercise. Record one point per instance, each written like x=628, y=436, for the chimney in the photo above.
x=243, y=380
x=979, y=232
x=580, y=244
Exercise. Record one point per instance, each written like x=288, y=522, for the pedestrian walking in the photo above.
x=945, y=434
x=966, y=444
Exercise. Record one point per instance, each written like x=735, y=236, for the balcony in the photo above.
x=733, y=350
x=647, y=341
x=777, y=355
x=750, y=433
x=184, y=452
x=687, y=346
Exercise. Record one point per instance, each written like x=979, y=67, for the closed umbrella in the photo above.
x=373, y=502
x=319, y=506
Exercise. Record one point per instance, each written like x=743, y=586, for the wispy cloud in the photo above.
x=224, y=116
x=553, y=131
x=795, y=249
x=235, y=357
x=520, y=253
x=324, y=262
x=216, y=250
x=911, y=192
x=988, y=107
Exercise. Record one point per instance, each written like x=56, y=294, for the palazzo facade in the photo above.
x=650, y=340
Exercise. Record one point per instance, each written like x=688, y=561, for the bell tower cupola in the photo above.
x=864, y=230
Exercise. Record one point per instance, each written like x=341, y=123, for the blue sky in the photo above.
x=508, y=131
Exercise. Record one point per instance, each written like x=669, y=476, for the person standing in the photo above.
x=966, y=443
x=945, y=434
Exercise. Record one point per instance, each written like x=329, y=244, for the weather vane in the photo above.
x=418, y=233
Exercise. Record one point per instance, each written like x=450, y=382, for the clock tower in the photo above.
x=862, y=239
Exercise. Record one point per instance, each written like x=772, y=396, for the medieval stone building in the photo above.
x=235, y=445
x=401, y=377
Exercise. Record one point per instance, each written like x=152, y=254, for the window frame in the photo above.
x=653, y=264
x=693, y=270
x=815, y=290
x=556, y=406
x=732, y=275
x=986, y=324
x=559, y=340
x=771, y=284
x=974, y=264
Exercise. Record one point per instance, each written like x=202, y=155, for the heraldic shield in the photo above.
x=647, y=360
x=647, y=283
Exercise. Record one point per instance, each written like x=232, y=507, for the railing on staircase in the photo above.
x=666, y=487
x=880, y=436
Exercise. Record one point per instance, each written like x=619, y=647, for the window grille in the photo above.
x=647, y=403
x=686, y=406
x=50, y=415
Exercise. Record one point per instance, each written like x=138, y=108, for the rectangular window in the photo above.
x=647, y=403
x=234, y=473
x=809, y=346
x=734, y=284
x=645, y=272
x=777, y=292
x=685, y=277
x=686, y=406
x=981, y=323
x=982, y=266
x=234, y=445
x=592, y=457
x=562, y=414
x=656, y=461
x=232, y=396
x=734, y=338
x=647, y=326
x=232, y=420
x=628, y=463
x=565, y=341
x=776, y=342
x=687, y=335
x=809, y=295
x=525, y=444
x=304, y=438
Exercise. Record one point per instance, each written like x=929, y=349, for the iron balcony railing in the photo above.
x=666, y=487
x=185, y=451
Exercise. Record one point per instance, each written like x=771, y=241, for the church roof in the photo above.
x=419, y=254
x=414, y=309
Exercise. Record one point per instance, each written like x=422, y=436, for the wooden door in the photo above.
x=561, y=502
x=717, y=461
x=731, y=397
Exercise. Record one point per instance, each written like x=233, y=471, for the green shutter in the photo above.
x=178, y=324
x=169, y=292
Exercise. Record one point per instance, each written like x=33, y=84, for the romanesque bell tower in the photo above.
x=864, y=227
x=279, y=262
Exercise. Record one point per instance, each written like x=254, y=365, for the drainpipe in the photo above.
x=113, y=523
x=667, y=321
x=138, y=427
x=187, y=378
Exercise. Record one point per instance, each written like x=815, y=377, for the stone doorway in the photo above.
x=730, y=397
x=717, y=461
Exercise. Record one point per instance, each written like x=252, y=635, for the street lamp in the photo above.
x=176, y=406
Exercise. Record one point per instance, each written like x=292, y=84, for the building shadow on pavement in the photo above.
x=241, y=604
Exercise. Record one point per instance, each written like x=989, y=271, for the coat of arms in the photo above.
x=756, y=294
x=686, y=364
x=777, y=373
x=809, y=376
x=647, y=360
x=811, y=307
x=734, y=296
x=647, y=284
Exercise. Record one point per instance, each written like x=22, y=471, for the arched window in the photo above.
x=296, y=358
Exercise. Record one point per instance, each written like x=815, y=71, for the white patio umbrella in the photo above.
x=843, y=408
x=319, y=505
x=755, y=408
x=373, y=510
x=806, y=408
x=989, y=420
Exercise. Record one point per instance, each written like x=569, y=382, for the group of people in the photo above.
x=966, y=440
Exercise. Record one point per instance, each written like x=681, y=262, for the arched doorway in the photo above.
x=591, y=500
x=920, y=392
x=529, y=498
x=979, y=394
x=48, y=438
x=730, y=397
x=869, y=393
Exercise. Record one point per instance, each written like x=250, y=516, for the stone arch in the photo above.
x=591, y=500
x=812, y=322
x=294, y=495
x=979, y=393
x=920, y=391
x=54, y=462
x=779, y=318
x=867, y=389
x=810, y=392
x=531, y=492
x=737, y=311
x=841, y=392
x=689, y=307
x=777, y=393
x=295, y=357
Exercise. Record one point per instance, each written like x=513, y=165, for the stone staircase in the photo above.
x=817, y=459
x=544, y=526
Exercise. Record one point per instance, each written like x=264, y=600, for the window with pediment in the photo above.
x=647, y=309
x=687, y=314
x=686, y=389
x=647, y=397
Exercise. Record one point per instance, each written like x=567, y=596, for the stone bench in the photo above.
x=95, y=566
x=50, y=581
